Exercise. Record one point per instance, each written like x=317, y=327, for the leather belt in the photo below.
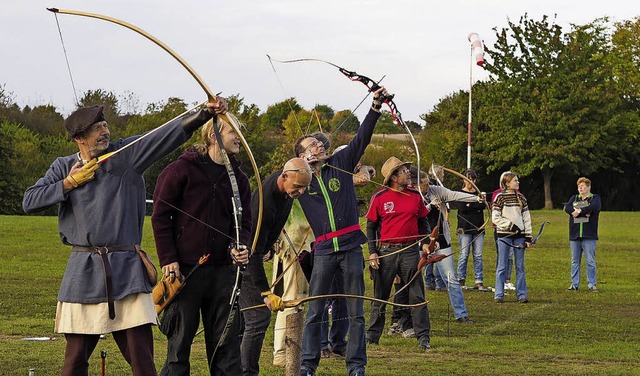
x=103, y=251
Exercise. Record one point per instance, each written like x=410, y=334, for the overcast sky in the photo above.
x=420, y=47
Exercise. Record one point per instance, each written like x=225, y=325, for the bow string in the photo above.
x=212, y=98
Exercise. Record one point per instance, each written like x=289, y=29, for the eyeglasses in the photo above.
x=314, y=144
x=300, y=170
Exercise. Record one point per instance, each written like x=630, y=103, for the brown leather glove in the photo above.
x=85, y=174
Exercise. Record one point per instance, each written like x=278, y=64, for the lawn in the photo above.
x=559, y=332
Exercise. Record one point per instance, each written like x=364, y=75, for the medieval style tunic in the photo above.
x=107, y=211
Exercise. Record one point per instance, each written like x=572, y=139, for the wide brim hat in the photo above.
x=390, y=166
x=83, y=118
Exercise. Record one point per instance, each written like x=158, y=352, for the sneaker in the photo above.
x=509, y=286
x=499, y=300
x=425, y=345
x=371, y=342
x=306, y=372
x=479, y=286
x=358, y=372
x=464, y=320
x=572, y=288
x=394, y=329
x=326, y=353
x=462, y=281
x=523, y=300
x=593, y=289
x=409, y=333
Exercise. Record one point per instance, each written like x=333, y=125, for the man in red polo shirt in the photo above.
x=399, y=216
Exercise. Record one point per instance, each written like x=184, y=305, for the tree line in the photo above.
x=557, y=105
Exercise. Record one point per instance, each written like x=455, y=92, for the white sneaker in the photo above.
x=509, y=286
x=409, y=333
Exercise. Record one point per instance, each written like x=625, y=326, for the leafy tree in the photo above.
x=414, y=126
x=444, y=139
x=551, y=100
x=45, y=120
x=323, y=115
x=386, y=125
x=111, y=108
x=625, y=58
x=9, y=110
x=277, y=113
x=344, y=121
x=19, y=165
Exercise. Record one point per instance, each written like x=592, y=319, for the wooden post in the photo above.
x=293, y=341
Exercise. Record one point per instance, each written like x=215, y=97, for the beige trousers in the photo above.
x=295, y=283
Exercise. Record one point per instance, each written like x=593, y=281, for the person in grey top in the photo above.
x=100, y=194
x=437, y=197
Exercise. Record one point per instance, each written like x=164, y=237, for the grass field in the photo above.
x=559, y=332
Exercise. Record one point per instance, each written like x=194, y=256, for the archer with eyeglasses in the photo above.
x=330, y=205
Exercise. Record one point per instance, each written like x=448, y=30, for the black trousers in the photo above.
x=256, y=323
x=206, y=293
x=135, y=344
x=404, y=264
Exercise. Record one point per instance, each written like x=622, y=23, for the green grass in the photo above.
x=558, y=333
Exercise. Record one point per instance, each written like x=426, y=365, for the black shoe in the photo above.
x=306, y=372
x=424, y=345
x=371, y=342
x=339, y=352
x=358, y=372
x=523, y=300
x=464, y=320
x=462, y=281
x=499, y=300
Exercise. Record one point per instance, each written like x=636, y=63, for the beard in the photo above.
x=101, y=145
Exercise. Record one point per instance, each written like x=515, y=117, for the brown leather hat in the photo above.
x=81, y=119
x=390, y=166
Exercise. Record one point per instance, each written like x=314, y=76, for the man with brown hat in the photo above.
x=105, y=287
x=396, y=219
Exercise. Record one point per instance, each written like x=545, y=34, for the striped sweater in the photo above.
x=510, y=214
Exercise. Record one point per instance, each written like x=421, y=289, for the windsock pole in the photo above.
x=477, y=55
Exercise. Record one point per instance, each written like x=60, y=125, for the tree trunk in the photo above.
x=293, y=340
x=547, y=173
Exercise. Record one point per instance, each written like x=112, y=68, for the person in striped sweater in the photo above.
x=510, y=214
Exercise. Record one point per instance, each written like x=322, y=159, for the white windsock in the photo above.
x=477, y=51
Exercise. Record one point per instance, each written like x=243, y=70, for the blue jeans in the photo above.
x=504, y=248
x=336, y=337
x=588, y=247
x=475, y=242
x=509, y=260
x=447, y=270
x=432, y=277
x=351, y=264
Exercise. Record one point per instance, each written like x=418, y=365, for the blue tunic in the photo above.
x=106, y=211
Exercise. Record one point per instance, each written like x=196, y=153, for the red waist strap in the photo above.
x=337, y=233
